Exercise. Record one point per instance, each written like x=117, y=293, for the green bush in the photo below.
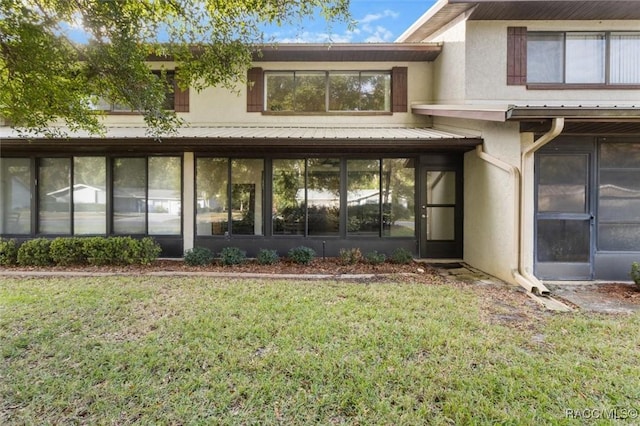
x=8, y=252
x=67, y=251
x=635, y=273
x=375, y=258
x=35, y=253
x=148, y=251
x=401, y=256
x=267, y=257
x=232, y=256
x=198, y=256
x=302, y=255
x=350, y=256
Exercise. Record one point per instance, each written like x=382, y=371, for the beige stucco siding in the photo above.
x=486, y=62
x=489, y=198
x=223, y=107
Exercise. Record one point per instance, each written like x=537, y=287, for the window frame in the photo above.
x=517, y=70
x=327, y=91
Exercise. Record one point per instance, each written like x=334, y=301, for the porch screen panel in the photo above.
x=363, y=197
x=54, y=196
x=563, y=240
x=15, y=196
x=562, y=187
x=164, y=201
x=289, y=202
x=129, y=195
x=212, y=185
x=323, y=196
x=247, y=195
x=398, y=197
x=619, y=197
x=441, y=199
x=89, y=195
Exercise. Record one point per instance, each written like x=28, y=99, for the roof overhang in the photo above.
x=445, y=11
x=348, y=52
x=243, y=139
x=579, y=119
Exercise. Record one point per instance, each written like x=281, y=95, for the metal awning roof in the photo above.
x=246, y=140
x=258, y=133
x=503, y=113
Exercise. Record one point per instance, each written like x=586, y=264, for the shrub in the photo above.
x=635, y=273
x=267, y=257
x=148, y=251
x=198, y=256
x=34, y=253
x=401, y=256
x=67, y=251
x=350, y=256
x=232, y=256
x=8, y=252
x=375, y=258
x=301, y=255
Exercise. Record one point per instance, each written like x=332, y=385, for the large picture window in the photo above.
x=54, y=196
x=89, y=195
x=583, y=58
x=328, y=91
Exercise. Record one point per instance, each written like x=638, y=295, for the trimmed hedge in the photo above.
x=65, y=251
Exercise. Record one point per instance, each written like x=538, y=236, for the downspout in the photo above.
x=521, y=276
x=557, y=125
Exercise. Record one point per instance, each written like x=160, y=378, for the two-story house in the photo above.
x=552, y=88
x=504, y=133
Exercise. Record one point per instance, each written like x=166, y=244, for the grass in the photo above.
x=123, y=350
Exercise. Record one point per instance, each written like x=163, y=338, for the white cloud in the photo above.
x=372, y=17
x=380, y=35
x=311, y=37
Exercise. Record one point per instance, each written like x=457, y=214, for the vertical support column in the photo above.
x=188, y=200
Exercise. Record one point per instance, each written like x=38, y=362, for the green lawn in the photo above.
x=149, y=350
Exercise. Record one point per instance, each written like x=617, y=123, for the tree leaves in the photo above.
x=47, y=79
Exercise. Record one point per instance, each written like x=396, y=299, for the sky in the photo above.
x=377, y=21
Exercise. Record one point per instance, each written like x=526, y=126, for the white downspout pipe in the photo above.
x=557, y=125
x=522, y=277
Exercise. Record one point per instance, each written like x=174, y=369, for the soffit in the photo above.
x=348, y=52
x=446, y=11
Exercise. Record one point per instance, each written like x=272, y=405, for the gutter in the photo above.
x=518, y=271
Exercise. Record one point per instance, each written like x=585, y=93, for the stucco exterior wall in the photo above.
x=222, y=107
x=486, y=62
x=489, y=198
x=449, y=67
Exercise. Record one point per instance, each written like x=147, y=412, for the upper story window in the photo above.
x=317, y=92
x=573, y=58
x=328, y=91
x=175, y=100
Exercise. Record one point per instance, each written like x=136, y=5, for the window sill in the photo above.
x=562, y=86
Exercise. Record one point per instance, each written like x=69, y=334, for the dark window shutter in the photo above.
x=181, y=99
x=255, y=90
x=516, y=56
x=399, y=89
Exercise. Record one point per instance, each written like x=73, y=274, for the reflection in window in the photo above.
x=212, y=176
x=441, y=199
x=246, y=196
x=15, y=195
x=398, y=189
x=323, y=196
x=54, y=196
x=619, y=197
x=562, y=185
x=89, y=195
x=309, y=92
x=129, y=194
x=289, y=207
x=363, y=197
x=164, y=202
